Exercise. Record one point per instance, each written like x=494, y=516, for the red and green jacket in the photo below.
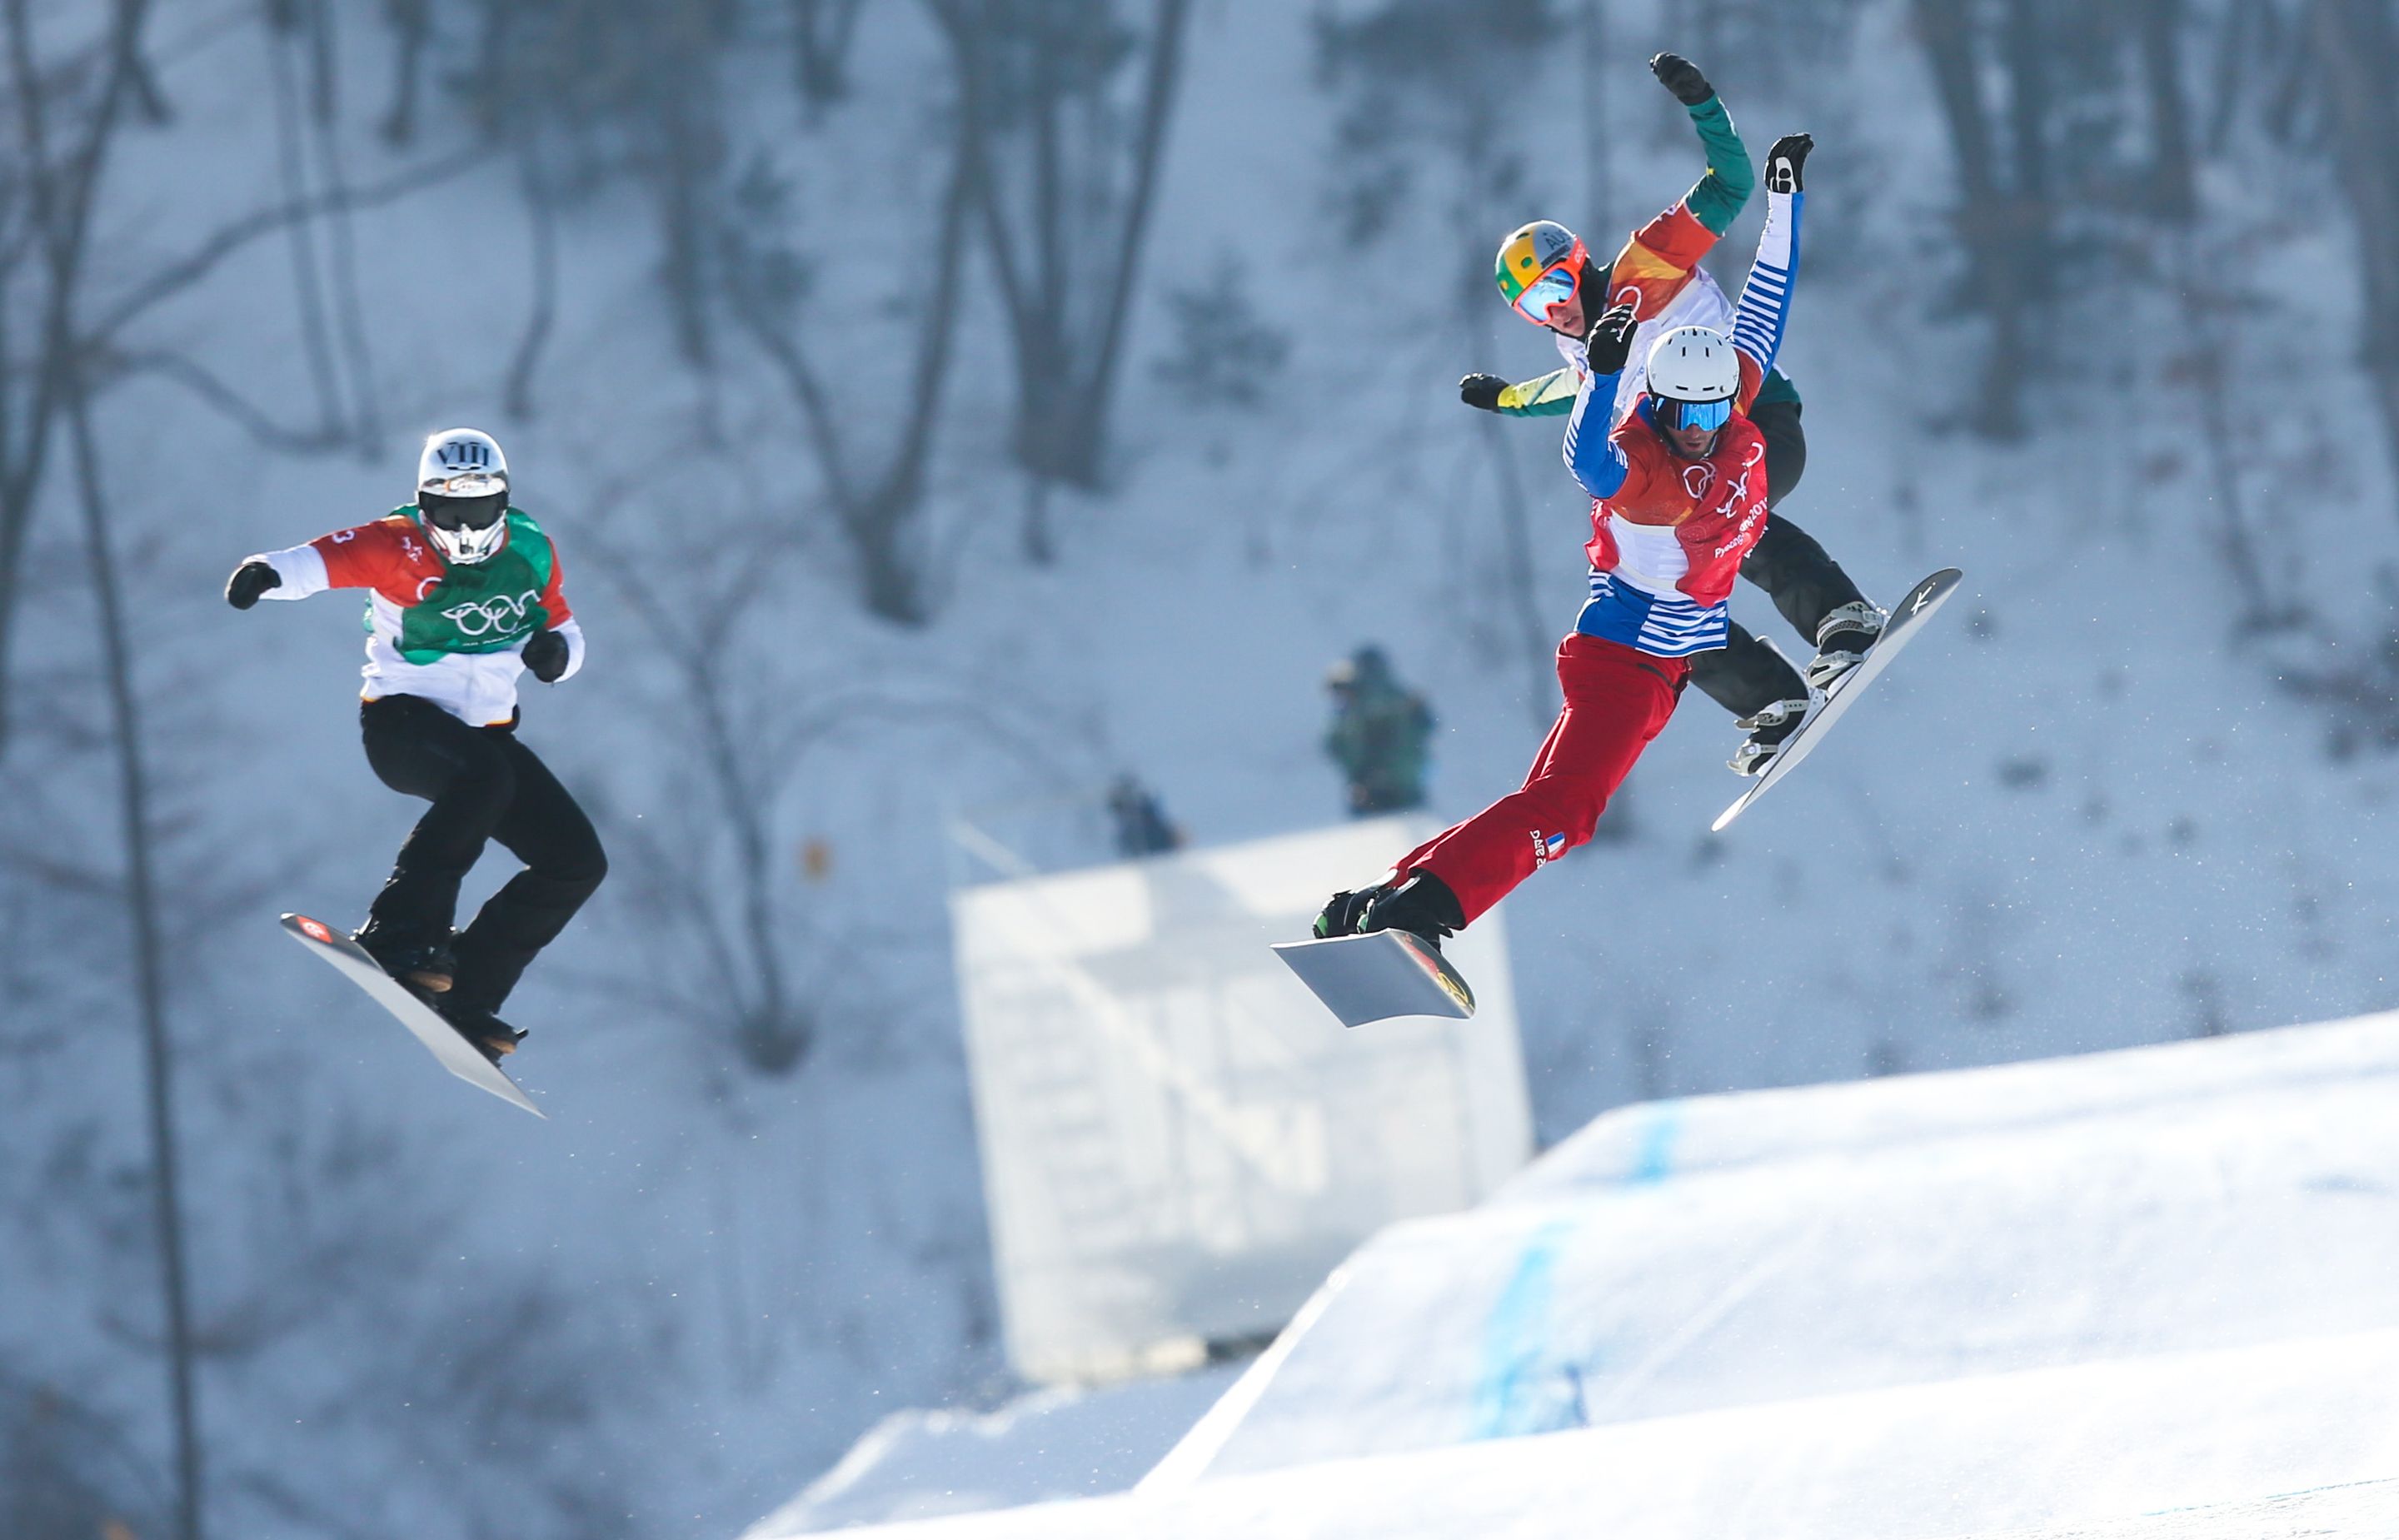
x=448, y=634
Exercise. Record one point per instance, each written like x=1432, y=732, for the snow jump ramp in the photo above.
x=2139, y=1294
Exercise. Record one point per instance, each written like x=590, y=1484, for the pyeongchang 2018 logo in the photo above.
x=498, y=615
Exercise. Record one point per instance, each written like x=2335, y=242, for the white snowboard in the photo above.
x=1906, y=619
x=1364, y=979
x=456, y=1054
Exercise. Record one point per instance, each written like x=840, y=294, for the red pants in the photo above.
x=1616, y=700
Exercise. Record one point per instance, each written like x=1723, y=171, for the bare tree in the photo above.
x=411, y=30
x=62, y=193
x=744, y=763
x=877, y=507
x=2005, y=217
x=1064, y=174
x=2172, y=172
x=67, y=1469
x=2355, y=41
x=45, y=219
x=822, y=32
x=148, y=963
x=623, y=91
x=293, y=41
x=1425, y=85
x=1429, y=84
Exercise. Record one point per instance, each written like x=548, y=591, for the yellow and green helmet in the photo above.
x=1538, y=267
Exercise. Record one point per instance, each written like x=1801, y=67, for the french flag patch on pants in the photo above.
x=1547, y=847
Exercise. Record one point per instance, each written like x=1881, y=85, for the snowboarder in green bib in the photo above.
x=462, y=596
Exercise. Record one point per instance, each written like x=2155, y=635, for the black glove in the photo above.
x=1481, y=390
x=1611, y=340
x=1681, y=76
x=249, y=580
x=1784, y=161
x=545, y=654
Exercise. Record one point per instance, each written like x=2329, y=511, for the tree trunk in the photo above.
x=2355, y=40
x=1067, y=358
x=148, y=967
x=411, y=25
x=1523, y=576
x=61, y=194
x=316, y=329
x=2174, y=194
x=1994, y=218
x=1599, y=193
x=541, y=212
x=822, y=31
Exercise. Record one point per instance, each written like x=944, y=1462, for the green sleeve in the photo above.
x=1717, y=197
x=1551, y=395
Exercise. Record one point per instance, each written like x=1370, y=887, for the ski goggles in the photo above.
x=448, y=511
x=1677, y=416
x=1545, y=293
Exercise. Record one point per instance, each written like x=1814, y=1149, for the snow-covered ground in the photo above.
x=1048, y=1445
x=2057, y=1295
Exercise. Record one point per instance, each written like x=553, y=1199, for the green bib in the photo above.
x=485, y=608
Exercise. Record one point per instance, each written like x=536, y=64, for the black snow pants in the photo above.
x=1746, y=675
x=484, y=784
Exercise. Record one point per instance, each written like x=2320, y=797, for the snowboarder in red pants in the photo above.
x=1678, y=498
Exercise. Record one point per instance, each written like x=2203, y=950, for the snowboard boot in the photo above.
x=1769, y=729
x=490, y=1036
x=1842, y=640
x=1423, y=906
x=1342, y=913
x=424, y=967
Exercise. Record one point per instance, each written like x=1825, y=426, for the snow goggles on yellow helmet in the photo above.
x=1538, y=267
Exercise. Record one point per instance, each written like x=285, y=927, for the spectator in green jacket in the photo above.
x=1378, y=735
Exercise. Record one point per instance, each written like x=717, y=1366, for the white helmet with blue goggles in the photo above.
x=1694, y=377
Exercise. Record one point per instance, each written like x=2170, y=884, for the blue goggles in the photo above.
x=1674, y=415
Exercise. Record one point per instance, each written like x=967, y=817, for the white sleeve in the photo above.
x=301, y=570
x=573, y=631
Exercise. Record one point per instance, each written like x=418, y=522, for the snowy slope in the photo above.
x=2050, y=1293
x=1053, y=1444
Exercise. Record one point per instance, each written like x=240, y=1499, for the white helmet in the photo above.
x=462, y=493
x=1694, y=363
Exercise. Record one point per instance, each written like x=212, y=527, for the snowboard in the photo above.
x=456, y=1055
x=1386, y=973
x=1906, y=618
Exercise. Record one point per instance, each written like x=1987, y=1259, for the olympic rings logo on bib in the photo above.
x=498, y=615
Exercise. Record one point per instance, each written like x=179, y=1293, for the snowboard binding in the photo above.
x=490, y=1036
x=425, y=967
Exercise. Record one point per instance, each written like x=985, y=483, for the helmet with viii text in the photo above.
x=462, y=495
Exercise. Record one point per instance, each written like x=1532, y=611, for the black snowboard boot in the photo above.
x=425, y=965
x=1422, y=905
x=1768, y=728
x=1843, y=639
x=1342, y=913
x=492, y=1037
